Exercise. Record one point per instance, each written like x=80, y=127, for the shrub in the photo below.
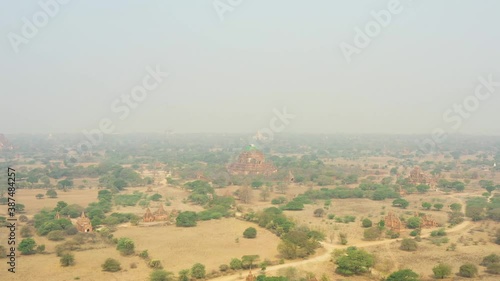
x=415, y=232
x=71, y=230
x=331, y=216
x=144, y=254
x=403, y=275
x=250, y=232
x=468, y=270
x=26, y=231
x=439, y=232
x=125, y=246
x=372, y=233
x=27, y=246
x=160, y=275
x=155, y=264
x=111, y=265
x=224, y=267
x=493, y=268
x=441, y=271
x=23, y=218
x=198, y=271
x=67, y=259
x=40, y=248
x=409, y=245
x=490, y=259
x=56, y=235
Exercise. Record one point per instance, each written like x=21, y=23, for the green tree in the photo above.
x=426, y=205
x=65, y=183
x=125, y=246
x=155, y=197
x=456, y=207
x=468, y=270
x=186, y=219
x=247, y=261
x=441, y=271
x=250, y=233
x=51, y=193
x=413, y=222
x=409, y=245
x=236, y=264
x=438, y=206
x=198, y=271
x=111, y=265
x=39, y=196
x=67, y=259
x=319, y=212
x=400, y=202
x=423, y=188
x=403, y=275
x=161, y=275
x=366, y=223
x=27, y=246
x=257, y=183
x=355, y=262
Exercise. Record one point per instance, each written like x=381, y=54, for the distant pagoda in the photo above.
x=251, y=162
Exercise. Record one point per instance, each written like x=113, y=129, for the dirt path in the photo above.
x=330, y=247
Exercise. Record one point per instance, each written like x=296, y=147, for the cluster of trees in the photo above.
x=446, y=185
x=215, y=206
x=116, y=177
x=45, y=222
x=128, y=199
x=489, y=185
x=296, y=241
x=353, y=261
x=478, y=208
x=428, y=206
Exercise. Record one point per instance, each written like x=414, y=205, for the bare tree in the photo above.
x=282, y=187
x=265, y=193
x=245, y=194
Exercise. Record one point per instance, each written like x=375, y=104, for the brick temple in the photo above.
x=251, y=162
x=417, y=176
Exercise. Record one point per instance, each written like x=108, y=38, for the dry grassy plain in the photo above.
x=214, y=242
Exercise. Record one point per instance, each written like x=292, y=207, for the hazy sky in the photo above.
x=229, y=76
